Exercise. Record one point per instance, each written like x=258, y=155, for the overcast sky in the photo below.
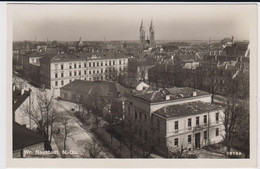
x=122, y=22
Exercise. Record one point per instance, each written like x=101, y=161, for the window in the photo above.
x=158, y=139
x=79, y=73
x=197, y=121
x=90, y=72
x=97, y=63
x=145, y=117
x=205, y=135
x=61, y=74
x=189, y=123
x=89, y=64
x=70, y=66
x=189, y=139
x=61, y=66
x=119, y=62
x=158, y=124
x=97, y=71
x=128, y=109
x=217, y=117
x=176, y=144
x=75, y=65
x=79, y=65
x=94, y=64
x=114, y=62
x=56, y=75
x=85, y=65
x=109, y=62
x=85, y=72
x=101, y=64
x=62, y=82
x=140, y=132
x=145, y=135
x=176, y=126
x=140, y=115
x=205, y=119
x=135, y=114
x=70, y=80
x=56, y=66
x=56, y=83
x=101, y=70
x=70, y=73
x=93, y=71
x=217, y=131
x=75, y=73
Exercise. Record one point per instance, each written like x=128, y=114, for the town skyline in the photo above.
x=172, y=23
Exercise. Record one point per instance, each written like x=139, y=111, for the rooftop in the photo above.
x=174, y=94
x=23, y=137
x=86, y=87
x=86, y=56
x=186, y=109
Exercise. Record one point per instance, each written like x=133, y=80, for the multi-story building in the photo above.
x=176, y=118
x=63, y=68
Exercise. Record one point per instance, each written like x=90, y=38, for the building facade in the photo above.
x=64, y=68
x=164, y=115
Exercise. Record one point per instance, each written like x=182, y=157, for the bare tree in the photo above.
x=95, y=103
x=66, y=127
x=92, y=150
x=43, y=114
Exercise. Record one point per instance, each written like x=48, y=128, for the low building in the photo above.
x=21, y=102
x=170, y=115
x=78, y=89
x=189, y=126
x=26, y=143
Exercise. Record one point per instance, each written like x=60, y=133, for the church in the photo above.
x=150, y=41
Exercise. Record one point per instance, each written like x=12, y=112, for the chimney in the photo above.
x=167, y=97
x=194, y=93
x=22, y=91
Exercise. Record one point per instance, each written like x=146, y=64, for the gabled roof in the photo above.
x=87, y=87
x=174, y=93
x=186, y=109
x=23, y=137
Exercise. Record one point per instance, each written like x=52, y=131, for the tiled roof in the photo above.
x=86, y=87
x=23, y=137
x=18, y=99
x=174, y=93
x=86, y=56
x=186, y=109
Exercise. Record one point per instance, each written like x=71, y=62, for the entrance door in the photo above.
x=197, y=140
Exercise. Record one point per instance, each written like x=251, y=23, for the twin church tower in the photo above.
x=149, y=42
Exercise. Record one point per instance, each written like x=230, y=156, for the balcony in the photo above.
x=199, y=127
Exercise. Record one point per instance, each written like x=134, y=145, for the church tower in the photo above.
x=142, y=34
x=152, y=35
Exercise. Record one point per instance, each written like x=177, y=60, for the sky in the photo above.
x=122, y=21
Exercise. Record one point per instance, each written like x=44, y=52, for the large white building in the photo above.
x=175, y=118
x=62, y=69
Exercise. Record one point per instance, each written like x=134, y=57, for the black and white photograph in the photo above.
x=132, y=81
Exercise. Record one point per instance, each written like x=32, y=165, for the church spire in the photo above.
x=151, y=26
x=142, y=26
